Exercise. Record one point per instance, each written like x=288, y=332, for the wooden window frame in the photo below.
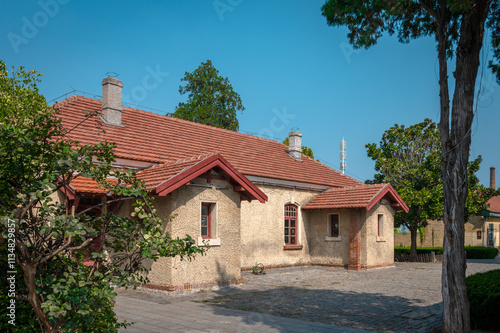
x=380, y=225
x=290, y=231
x=331, y=226
x=479, y=234
x=209, y=206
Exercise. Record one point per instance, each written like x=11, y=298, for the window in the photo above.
x=290, y=225
x=206, y=220
x=208, y=225
x=479, y=235
x=334, y=227
x=380, y=219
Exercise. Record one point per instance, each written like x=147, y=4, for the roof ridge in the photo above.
x=355, y=187
x=178, y=119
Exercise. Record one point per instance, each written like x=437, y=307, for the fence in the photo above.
x=424, y=257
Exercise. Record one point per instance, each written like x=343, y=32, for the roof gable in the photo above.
x=156, y=138
x=163, y=179
x=365, y=196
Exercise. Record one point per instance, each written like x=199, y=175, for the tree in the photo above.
x=458, y=28
x=48, y=243
x=410, y=159
x=211, y=99
x=306, y=151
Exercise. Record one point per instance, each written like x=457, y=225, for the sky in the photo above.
x=290, y=68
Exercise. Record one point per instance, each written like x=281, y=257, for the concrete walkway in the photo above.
x=188, y=316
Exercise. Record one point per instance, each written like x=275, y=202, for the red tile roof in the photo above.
x=494, y=204
x=156, y=138
x=160, y=173
x=365, y=196
x=165, y=178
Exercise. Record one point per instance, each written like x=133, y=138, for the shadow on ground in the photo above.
x=374, y=312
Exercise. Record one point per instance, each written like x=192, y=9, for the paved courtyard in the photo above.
x=405, y=298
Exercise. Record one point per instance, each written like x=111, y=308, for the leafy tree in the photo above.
x=306, y=151
x=38, y=162
x=211, y=99
x=410, y=159
x=458, y=28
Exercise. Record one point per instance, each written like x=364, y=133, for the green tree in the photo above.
x=211, y=99
x=50, y=244
x=458, y=28
x=410, y=159
x=305, y=150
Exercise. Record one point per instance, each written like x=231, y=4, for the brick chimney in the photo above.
x=492, y=178
x=295, y=145
x=112, y=101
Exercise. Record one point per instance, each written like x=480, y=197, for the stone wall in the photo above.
x=379, y=250
x=262, y=235
x=222, y=260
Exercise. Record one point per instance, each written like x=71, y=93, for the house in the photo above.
x=482, y=229
x=253, y=200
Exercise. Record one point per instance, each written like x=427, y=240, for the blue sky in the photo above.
x=290, y=68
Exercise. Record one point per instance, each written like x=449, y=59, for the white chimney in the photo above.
x=112, y=101
x=295, y=145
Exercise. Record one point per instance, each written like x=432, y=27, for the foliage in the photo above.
x=405, y=250
x=38, y=163
x=211, y=99
x=473, y=252
x=258, y=269
x=483, y=291
x=410, y=159
x=25, y=316
x=481, y=252
x=306, y=151
x=458, y=28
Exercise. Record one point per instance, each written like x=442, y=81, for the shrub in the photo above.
x=473, y=252
x=479, y=252
x=405, y=250
x=483, y=290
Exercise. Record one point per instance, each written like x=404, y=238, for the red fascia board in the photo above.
x=388, y=191
x=202, y=167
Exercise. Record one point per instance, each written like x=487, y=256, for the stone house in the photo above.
x=253, y=200
x=482, y=229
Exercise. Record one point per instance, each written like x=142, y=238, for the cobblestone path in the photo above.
x=405, y=298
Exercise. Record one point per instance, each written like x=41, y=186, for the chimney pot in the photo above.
x=112, y=101
x=295, y=145
x=492, y=178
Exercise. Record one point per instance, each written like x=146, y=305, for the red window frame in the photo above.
x=334, y=225
x=290, y=225
x=206, y=221
x=479, y=234
x=380, y=225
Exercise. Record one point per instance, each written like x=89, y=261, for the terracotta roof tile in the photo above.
x=354, y=197
x=160, y=173
x=494, y=204
x=156, y=138
x=87, y=185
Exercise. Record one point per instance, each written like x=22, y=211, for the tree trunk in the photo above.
x=29, y=279
x=413, y=248
x=455, y=155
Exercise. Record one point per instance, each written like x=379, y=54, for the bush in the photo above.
x=483, y=290
x=473, y=252
x=405, y=250
x=479, y=252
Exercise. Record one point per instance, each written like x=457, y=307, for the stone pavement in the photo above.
x=405, y=298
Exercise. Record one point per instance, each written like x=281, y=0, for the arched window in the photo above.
x=290, y=225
